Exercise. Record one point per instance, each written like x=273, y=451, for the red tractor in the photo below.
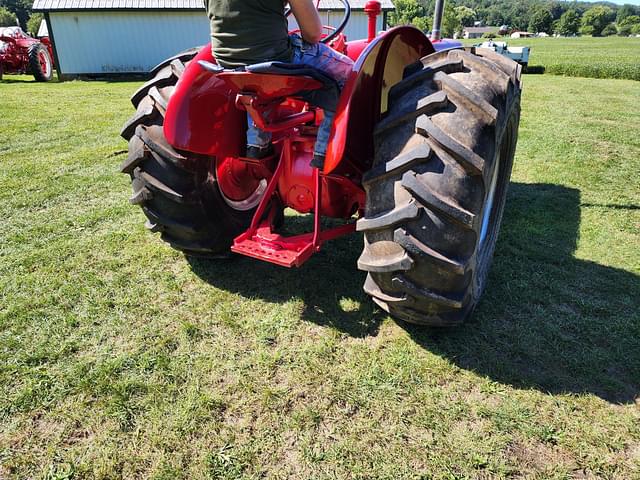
x=419, y=161
x=20, y=53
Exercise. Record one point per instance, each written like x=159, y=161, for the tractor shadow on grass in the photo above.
x=329, y=284
x=548, y=320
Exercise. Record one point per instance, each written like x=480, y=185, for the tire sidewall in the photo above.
x=505, y=151
x=34, y=60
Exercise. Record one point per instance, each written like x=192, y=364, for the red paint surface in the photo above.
x=360, y=102
x=266, y=86
x=14, y=58
x=206, y=115
x=201, y=115
x=372, y=8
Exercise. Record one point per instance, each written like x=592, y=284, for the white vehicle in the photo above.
x=518, y=54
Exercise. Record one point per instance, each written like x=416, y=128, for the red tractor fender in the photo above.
x=202, y=117
x=378, y=66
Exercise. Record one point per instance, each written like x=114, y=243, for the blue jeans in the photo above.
x=328, y=61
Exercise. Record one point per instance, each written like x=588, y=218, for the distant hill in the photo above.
x=515, y=13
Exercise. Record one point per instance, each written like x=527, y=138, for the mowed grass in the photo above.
x=608, y=57
x=119, y=358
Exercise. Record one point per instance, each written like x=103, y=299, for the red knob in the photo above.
x=373, y=7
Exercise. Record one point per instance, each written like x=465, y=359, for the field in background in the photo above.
x=119, y=358
x=610, y=57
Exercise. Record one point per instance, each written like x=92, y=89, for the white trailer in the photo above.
x=518, y=54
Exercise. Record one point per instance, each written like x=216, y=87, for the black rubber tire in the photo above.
x=177, y=191
x=451, y=117
x=34, y=63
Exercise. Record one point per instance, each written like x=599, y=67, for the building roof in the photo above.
x=78, y=5
x=478, y=29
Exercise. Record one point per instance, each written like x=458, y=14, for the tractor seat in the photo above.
x=277, y=80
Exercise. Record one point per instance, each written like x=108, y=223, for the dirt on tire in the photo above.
x=436, y=191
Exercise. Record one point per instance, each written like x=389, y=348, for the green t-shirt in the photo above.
x=245, y=32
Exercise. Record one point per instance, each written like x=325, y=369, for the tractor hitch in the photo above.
x=261, y=242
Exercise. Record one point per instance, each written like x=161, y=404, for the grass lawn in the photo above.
x=121, y=359
x=609, y=57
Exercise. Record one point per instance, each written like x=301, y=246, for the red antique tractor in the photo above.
x=419, y=161
x=20, y=53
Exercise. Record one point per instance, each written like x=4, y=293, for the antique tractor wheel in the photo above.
x=436, y=192
x=178, y=191
x=40, y=62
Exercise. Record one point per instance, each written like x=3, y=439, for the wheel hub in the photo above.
x=44, y=63
x=240, y=185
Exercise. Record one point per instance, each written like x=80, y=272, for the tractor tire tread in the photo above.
x=412, y=77
x=424, y=106
x=461, y=95
x=166, y=74
x=435, y=202
x=176, y=190
x=422, y=153
x=468, y=159
x=399, y=214
x=435, y=149
x=34, y=62
x=412, y=244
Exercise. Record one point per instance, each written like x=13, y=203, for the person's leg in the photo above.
x=335, y=65
x=258, y=141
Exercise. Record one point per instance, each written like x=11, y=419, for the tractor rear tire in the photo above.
x=38, y=54
x=436, y=191
x=177, y=191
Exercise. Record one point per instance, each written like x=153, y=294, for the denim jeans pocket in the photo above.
x=302, y=48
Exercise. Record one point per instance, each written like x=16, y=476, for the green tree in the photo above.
x=450, y=22
x=627, y=26
x=569, y=23
x=609, y=30
x=586, y=30
x=422, y=23
x=626, y=11
x=595, y=19
x=33, y=25
x=466, y=16
x=7, y=19
x=21, y=9
x=406, y=12
x=557, y=9
x=541, y=21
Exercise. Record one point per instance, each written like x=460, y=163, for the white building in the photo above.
x=478, y=32
x=522, y=35
x=107, y=37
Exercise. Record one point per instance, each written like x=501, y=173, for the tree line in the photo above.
x=535, y=16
